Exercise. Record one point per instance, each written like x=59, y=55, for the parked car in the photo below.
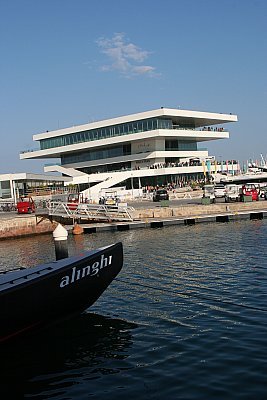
x=232, y=192
x=219, y=190
x=160, y=194
x=263, y=192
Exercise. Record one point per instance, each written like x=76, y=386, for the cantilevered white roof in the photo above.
x=199, y=118
x=34, y=177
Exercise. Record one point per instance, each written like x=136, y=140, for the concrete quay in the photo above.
x=14, y=226
x=184, y=215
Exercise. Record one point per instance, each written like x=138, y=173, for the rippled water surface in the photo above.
x=185, y=319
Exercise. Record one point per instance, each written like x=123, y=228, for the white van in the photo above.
x=219, y=190
x=232, y=192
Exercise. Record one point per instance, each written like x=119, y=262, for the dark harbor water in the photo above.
x=186, y=319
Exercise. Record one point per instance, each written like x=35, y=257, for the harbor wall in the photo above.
x=197, y=210
x=13, y=227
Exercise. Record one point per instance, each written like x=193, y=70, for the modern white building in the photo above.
x=152, y=148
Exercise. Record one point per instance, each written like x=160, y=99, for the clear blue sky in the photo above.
x=69, y=62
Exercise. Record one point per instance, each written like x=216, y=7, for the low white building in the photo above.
x=12, y=186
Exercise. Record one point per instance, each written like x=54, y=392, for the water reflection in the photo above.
x=196, y=296
x=37, y=364
x=26, y=252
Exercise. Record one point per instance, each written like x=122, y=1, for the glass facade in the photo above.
x=121, y=166
x=91, y=155
x=180, y=145
x=5, y=190
x=106, y=132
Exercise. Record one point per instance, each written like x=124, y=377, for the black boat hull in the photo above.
x=34, y=297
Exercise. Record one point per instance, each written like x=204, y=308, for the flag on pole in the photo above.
x=208, y=165
x=204, y=168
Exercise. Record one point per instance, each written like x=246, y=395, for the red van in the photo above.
x=73, y=201
x=249, y=189
x=25, y=205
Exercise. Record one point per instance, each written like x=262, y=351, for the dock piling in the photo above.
x=60, y=236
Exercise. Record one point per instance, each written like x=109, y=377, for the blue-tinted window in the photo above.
x=106, y=132
x=115, y=151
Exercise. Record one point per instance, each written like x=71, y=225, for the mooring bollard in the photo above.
x=60, y=236
x=77, y=229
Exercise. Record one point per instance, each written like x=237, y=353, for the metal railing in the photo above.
x=102, y=212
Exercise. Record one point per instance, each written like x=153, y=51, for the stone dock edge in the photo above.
x=19, y=226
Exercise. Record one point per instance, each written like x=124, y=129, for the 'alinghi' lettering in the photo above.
x=88, y=270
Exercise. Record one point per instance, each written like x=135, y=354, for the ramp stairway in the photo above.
x=93, y=192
